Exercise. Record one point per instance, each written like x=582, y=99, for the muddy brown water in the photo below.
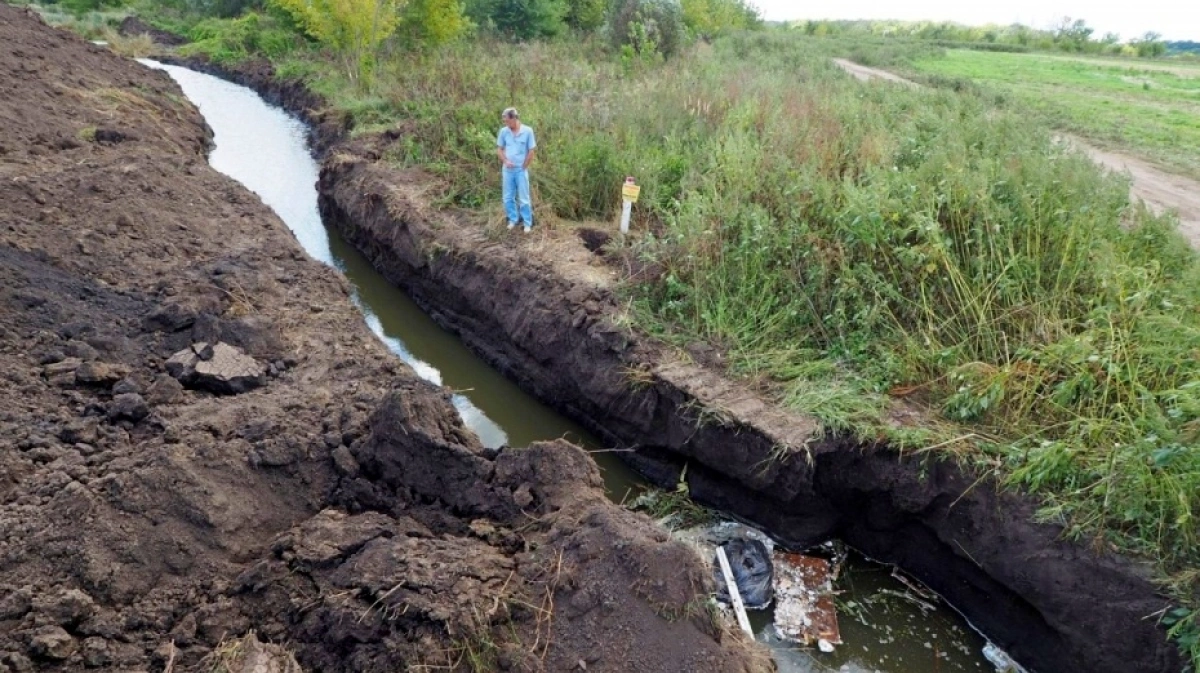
x=883, y=629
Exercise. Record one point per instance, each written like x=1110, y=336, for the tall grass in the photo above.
x=889, y=239
x=857, y=243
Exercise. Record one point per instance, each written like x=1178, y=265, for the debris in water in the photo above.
x=914, y=586
x=804, y=612
x=733, y=592
x=1000, y=659
x=750, y=563
x=704, y=539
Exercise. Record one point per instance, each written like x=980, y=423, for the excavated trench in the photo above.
x=1050, y=603
x=1054, y=605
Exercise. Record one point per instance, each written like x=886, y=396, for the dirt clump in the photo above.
x=337, y=505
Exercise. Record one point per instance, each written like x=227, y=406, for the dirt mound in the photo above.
x=339, y=507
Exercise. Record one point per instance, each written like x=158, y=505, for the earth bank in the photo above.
x=319, y=494
x=544, y=312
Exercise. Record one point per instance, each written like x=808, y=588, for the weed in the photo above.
x=675, y=508
x=240, y=302
x=639, y=377
x=235, y=655
x=136, y=46
x=1183, y=624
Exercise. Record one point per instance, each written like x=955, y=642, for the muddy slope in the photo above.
x=334, y=503
x=539, y=310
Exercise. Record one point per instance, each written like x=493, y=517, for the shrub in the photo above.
x=646, y=25
x=233, y=40
x=352, y=29
x=519, y=19
x=428, y=23
x=586, y=15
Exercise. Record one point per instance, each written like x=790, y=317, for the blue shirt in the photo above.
x=516, y=145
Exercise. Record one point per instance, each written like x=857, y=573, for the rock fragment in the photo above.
x=129, y=406
x=99, y=374
x=219, y=368
x=52, y=642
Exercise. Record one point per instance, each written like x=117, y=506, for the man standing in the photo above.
x=515, y=146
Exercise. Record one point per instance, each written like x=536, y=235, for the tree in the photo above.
x=432, y=22
x=1072, y=35
x=646, y=25
x=707, y=18
x=520, y=19
x=353, y=29
x=586, y=15
x=1149, y=45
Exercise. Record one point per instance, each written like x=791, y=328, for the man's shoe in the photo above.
x=512, y=225
x=528, y=228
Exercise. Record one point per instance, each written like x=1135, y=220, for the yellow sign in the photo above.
x=630, y=192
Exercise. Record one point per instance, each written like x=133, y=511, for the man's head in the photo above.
x=510, y=118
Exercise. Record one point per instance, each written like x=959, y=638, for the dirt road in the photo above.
x=1160, y=190
x=865, y=74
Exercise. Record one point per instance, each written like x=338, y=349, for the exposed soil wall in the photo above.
x=336, y=504
x=557, y=329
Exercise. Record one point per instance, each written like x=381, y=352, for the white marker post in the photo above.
x=629, y=196
x=735, y=596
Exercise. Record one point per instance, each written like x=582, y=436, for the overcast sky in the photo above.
x=1174, y=19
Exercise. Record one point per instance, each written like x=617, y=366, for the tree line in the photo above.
x=1069, y=35
x=354, y=30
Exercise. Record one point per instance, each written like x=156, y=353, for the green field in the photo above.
x=1151, y=109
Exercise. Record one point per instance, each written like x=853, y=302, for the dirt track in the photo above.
x=1162, y=191
x=339, y=507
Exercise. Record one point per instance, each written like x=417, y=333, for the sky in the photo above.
x=1174, y=19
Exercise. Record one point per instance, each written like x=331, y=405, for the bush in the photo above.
x=519, y=19
x=233, y=40
x=204, y=8
x=586, y=15
x=428, y=23
x=709, y=18
x=646, y=26
x=81, y=7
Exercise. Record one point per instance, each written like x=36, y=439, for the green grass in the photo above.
x=1145, y=107
x=94, y=25
x=849, y=246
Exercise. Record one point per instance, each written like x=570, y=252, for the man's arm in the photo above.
x=500, y=149
x=532, y=149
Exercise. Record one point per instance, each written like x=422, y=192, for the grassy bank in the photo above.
x=855, y=248
x=1147, y=108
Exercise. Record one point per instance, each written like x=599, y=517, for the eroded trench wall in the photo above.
x=1056, y=606
x=1052, y=604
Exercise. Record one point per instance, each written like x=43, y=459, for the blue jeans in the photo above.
x=515, y=184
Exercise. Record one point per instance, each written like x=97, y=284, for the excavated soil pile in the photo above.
x=285, y=475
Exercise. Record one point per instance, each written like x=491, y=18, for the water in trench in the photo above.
x=883, y=629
